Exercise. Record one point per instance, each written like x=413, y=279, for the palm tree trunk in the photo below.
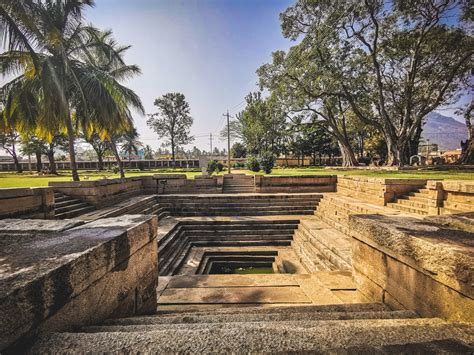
x=117, y=157
x=72, y=154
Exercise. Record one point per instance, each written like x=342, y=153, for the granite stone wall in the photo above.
x=306, y=183
x=414, y=264
x=378, y=191
x=58, y=275
x=27, y=202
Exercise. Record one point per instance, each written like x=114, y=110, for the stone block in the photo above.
x=78, y=276
x=423, y=266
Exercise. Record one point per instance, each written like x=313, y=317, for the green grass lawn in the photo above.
x=420, y=174
x=27, y=179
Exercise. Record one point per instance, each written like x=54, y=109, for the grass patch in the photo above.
x=28, y=179
x=416, y=174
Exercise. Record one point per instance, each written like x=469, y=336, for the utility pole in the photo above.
x=228, y=142
x=210, y=140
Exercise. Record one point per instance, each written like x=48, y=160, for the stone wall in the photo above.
x=309, y=183
x=178, y=183
x=378, y=191
x=414, y=264
x=56, y=278
x=457, y=196
x=100, y=192
x=27, y=203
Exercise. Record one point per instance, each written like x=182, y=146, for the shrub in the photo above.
x=115, y=169
x=220, y=167
x=141, y=165
x=211, y=166
x=253, y=164
x=267, y=161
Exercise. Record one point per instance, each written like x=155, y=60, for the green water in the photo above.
x=253, y=270
x=224, y=268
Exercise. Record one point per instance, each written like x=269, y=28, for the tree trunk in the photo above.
x=117, y=158
x=172, y=153
x=52, y=161
x=39, y=163
x=72, y=154
x=17, y=163
x=100, y=162
x=467, y=155
x=348, y=156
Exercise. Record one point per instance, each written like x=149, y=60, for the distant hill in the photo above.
x=444, y=131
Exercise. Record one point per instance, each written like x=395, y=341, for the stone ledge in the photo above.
x=415, y=264
x=444, y=253
x=46, y=277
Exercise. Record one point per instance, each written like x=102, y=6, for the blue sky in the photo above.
x=206, y=49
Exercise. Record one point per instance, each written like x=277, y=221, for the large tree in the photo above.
x=172, y=121
x=393, y=62
x=130, y=143
x=52, y=55
x=259, y=125
x=9, y=140
x=301, y=84
x=100, y=147
x=467, y=156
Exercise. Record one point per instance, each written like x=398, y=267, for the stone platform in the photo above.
x=191, y=292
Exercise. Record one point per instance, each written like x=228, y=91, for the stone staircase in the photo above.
x=68, y=207
x=416, y=202
x=344, y=328
x=321, y=247
x=175, y=247
x=238, y=183
x=240, y=205
x=334, y=210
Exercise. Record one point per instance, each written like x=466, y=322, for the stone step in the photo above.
x=341, y=227
x=241, y=204
x=249, y=197
x=409, y=209
x=75, y=213
x=65, y=202
x=275, y=316
x=311, y=257
x=63, y=198
x=70, y=207
x=337, y=336
x=239, y=227
x=252, y=222
x=240, y=237
x=237, y=202
x=243, y=213
x=413, y=203
x=247, y=210
x=335, y=246
x=237, y=233
x=238, y=309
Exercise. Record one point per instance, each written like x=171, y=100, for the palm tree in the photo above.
x=111, y=128
x=131, y=143
x=59, y=84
